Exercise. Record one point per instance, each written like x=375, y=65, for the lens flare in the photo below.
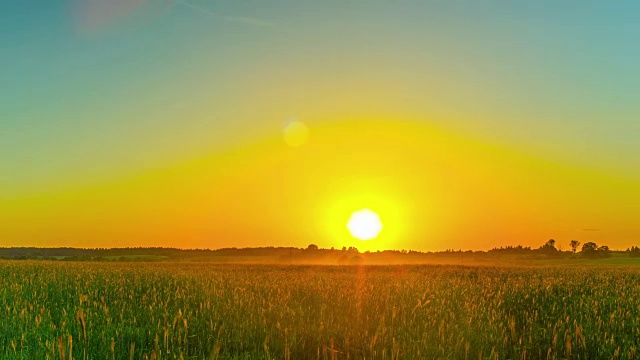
x=296, y=133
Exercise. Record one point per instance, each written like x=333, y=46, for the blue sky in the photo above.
x=98, y=91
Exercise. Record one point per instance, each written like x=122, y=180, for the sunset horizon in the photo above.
x=262, y=194
x=278, y=179
x=197, y=124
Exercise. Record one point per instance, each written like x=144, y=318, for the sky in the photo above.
x=210, y=124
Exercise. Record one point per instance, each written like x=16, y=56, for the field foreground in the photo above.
x=53, y=310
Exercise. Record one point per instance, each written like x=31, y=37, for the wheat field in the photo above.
x=65, y=310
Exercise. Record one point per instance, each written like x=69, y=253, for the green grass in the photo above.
x=60, y=310
x=615, y=259
x=137, y=258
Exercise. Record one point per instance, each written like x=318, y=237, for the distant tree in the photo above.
x=343, y=260
x=589, y=247
x=591, y=250
x=511, y=250
x=312, y=247
x=549, y=247
x=356, y=260
x=634, y=251
x=574, y=245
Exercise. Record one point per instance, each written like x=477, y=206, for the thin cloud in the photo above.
x=590, y=229
x=237, y=19
x=92, y=16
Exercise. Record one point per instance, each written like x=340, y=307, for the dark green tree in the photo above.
x=574, y=245
x=591, y=250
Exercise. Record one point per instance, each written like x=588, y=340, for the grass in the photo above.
x=137, y=258
x=615, y=259
x=62, y=310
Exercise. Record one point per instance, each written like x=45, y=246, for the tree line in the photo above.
x=549, y=249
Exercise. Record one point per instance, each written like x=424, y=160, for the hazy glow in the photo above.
x=464, y=125
x=434, y=189
x=296, y=133
x=364, y=224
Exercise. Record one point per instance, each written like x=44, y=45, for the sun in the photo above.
x=364, y=224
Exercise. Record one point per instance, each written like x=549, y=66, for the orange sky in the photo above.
x=464, y=125
x=433, y=188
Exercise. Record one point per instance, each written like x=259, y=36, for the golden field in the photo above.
x=67, y=310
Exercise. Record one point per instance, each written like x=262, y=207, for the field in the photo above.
x=56, y=310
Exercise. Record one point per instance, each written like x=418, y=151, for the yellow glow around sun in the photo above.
x=347, y=196
x=364, y=224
